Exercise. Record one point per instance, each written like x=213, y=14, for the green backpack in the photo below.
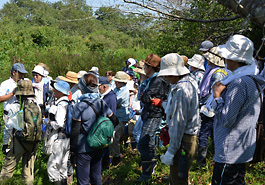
x=32, y=123
x=101, y=132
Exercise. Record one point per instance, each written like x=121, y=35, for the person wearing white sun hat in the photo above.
x=196, y=64
x=182, y=114
x=237, y=108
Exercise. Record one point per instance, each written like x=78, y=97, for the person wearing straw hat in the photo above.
x=122, y=113
x=182, y=115
x=57, y=162
x=197, y=67
x=7, y=93
x=88, y=159
x=214, y=72
x=72, y=78
x=154, y=93
x=18, y=148
x=237, y=108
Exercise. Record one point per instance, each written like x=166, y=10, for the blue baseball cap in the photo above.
x=62, y=86
x=19, y=67
x=102, y=80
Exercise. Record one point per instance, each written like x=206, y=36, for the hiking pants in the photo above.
x=28, y=154
x=57, y=163
x=115, y=141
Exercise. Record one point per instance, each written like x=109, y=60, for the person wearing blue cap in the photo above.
x=7, y=87
x=57, y=162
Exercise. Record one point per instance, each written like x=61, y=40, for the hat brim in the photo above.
x=231, y=56
x=59, y=88
x=119, y=80
x=174, y=71
x=25, y=93
x=203, y=49
x=22, y=71
x=193, y=64
x=67, y=80
x=140, y=71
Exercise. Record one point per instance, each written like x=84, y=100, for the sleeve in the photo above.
x=77, y=114
x=9, y=125
x=230, y=104
x=178, y=121
x=106, y=109
x=60, y=116
x=154, y=88
x=2, y=89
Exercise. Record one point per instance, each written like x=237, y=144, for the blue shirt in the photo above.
x=82, y=111
x=111, y=101
x=123, y=99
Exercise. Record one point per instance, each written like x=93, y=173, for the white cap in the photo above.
x=132, y=62
x=238, y=48
x=172, y=65
x=197, y=61
x=38, y=69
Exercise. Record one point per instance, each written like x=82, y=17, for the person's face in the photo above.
x=172, y=79
x=17, y=76
x=57, y=94
x=231, y=65
x=101, y=89
x=147, y=70
x=119, y=84
x=37, y=77
x=109, y=77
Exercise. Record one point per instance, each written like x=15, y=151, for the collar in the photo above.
x=105, y=93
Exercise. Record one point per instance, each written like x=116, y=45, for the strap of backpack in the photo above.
x=94, y=109
x=261, y=102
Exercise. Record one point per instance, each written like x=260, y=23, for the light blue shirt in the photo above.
x=123, y=99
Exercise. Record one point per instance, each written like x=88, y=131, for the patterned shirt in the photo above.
x=182, y=111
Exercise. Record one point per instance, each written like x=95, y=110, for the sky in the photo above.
x=93, y=3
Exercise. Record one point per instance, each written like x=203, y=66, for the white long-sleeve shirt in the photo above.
x=60, y=114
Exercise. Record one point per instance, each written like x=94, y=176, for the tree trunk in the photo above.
x=254, y=9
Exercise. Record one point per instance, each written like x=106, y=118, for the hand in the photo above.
x=218, y=89
x=167, y=158
x=156, y=102
x=4, y=149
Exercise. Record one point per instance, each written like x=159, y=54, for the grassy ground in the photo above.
x=129, y=170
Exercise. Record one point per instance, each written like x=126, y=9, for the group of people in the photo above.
x=213, y=94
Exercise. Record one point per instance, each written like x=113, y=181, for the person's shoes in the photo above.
x=115, y=161
x=142, y=179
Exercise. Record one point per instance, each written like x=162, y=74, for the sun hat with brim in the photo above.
x=81, y=73
x=84, y=87
x=238, y=48
x=121, y=76
x=172, y=65
x=214, y=57
x=94, y=69
x=62, y=86
x=24, y=87
x=19, y=67
x=140, y=68
x=70, y=77
x=197, y=61
x=153, y=60
x=206, y=45
x=39, y=70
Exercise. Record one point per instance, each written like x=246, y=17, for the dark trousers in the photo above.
x=88, y=165
x=146, y=145
x=228, y=174
x=206, y=130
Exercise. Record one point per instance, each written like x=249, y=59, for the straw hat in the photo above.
x=172, y=65
x=140, y=68
x=197, y=61
x=214, y=57
x=121, y=76
x=238, y=48
x=153, y=60
x=24, y=87
x=70, y=77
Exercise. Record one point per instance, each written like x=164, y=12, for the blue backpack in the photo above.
x=69, y=115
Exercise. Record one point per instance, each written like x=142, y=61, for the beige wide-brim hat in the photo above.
x=140, y=68
x=172, y=65
x=197, y=61
x=24, y=87
x=121, y=76
x=70, y=77
x=214, y=57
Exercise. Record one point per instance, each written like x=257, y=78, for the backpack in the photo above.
x=69, y=115
x=102, y=130
x=32, y=123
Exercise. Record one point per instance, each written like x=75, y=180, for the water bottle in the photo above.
x=183, y=170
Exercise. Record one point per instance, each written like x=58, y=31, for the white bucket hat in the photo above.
x=121, y=76
x=197, y=61
x=172, y=65
x=94, y=69
x=38, y=69
x=238, y=48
